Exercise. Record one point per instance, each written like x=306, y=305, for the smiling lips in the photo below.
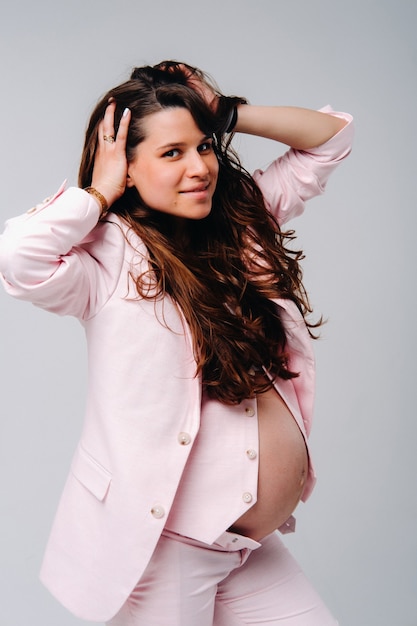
x=198, y=189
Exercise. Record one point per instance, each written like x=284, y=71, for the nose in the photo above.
x=197, y=165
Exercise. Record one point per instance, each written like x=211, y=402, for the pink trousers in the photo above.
x=233, y=582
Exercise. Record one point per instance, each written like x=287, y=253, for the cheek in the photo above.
x=214, y=168
x=149, y=180
x=157, y=187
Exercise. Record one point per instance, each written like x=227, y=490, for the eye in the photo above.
x=206, y=146
x=171, y=153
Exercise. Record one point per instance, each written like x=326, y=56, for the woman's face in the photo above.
x=175, y=168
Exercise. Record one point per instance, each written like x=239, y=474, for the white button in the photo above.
x=247, y=497
x=158, y=511
x=250, y=412
x=251, y=454
x=184, y=439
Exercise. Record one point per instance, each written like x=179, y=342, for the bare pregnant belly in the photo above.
x=283, y=467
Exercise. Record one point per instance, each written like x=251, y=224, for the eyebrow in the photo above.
x=180, y=144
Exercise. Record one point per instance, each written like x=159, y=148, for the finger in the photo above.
x=107, y=125
x=186, y=71
x=204, y=90
x=121, y=136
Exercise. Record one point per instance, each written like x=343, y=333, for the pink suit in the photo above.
x=144, y=402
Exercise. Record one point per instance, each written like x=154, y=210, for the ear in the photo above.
x=129, y=181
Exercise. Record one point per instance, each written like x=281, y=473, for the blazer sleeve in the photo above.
x=299, y=175
x=59, y=258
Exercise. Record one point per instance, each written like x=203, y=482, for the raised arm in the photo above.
x=45, y=254
x=318, y=141
x=299, y=128
x=302, y=129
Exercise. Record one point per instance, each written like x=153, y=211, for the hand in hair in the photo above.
x=202, y=87
x=195, y=79
x=110, y=163
x=224, y=107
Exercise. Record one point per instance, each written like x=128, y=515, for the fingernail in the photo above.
x=125, y=112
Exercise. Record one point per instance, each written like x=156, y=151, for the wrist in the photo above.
x=101, y=200
x=227, y=113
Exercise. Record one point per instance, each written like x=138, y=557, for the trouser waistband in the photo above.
x=227, y=541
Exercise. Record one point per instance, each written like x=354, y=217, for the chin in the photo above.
x=200, y=215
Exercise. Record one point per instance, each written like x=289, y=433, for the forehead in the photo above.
x=174, y=125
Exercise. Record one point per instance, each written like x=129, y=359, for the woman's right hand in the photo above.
x=110, y=162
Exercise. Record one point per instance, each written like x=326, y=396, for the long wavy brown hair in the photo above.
x=223, y=270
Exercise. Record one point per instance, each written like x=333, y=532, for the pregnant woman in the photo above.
x=201, y=375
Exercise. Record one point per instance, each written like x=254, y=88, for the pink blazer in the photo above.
x=144, y=401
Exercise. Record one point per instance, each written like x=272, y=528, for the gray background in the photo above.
x=356, y=537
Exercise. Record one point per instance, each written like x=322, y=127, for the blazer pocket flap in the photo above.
x=90, y=473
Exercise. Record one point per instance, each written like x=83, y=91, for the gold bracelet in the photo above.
x=99, y=196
